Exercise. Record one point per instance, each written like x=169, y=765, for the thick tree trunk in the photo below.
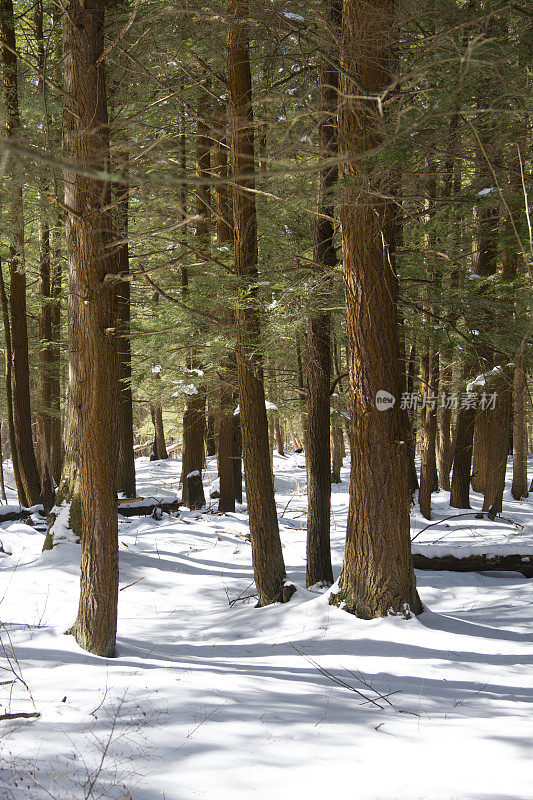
x=519, y=488
x=267, y=556
x=318, y=362
x=29, y=473
x=95, y=315
x=377, y=575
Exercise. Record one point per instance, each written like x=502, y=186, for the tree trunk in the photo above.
x=445, y=433
x=126, y=456
x=278, y=434
x=338, y=454
x=237, y=457
x=224, y=434
x=377, y=575
x=519, y=488
x=29, y=473
x=428, y=466
x=480, y=454
x=194, y=422
x=160, y=448
x=44, y=419
x=21, y=492
x=318, y=362
x=45, y=363
x=193, y=447
x=496, y=424
x=412, y=477
x=95, y=314
x=267, y=556
x=226, y=462
x=462, y=460
x=210, y=440
x=2, y=483
x=56, y=437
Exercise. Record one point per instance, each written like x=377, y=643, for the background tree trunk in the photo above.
x=126, y=456
x=318, y=362
x=22, y=419
x=428, y=465
x=445, y=448
x=462, y=459
x=267, y=557
x=519, y=488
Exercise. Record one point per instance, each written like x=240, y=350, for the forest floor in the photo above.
x=211, y=698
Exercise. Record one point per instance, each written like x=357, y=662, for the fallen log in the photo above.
x=147, y=506
x=477, y=563
x=141, y=507
x=11, y=513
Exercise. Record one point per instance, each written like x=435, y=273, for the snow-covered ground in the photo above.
x=212, y=698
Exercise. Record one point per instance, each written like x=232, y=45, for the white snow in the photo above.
x=212, y=698
x=156, y=369
x=268, y=405
x=481, y=380
x=291, y=15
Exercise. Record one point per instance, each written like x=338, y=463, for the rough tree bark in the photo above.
x=445, y=448
x=194, y=422
x=462, y=458
x=495, y=423
x=44, y=416
x=519, y=488
x=267, y=556
x=22, y=419
x=377, y=575
x=126, y=456
x=9, y=392
x=318, y=362
x=224, y=415
x=93, y=306
x=428, y=465
x=412, y=476
x=337, y=437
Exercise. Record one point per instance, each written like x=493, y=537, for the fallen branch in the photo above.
x=476, y=514
x=20, y=715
